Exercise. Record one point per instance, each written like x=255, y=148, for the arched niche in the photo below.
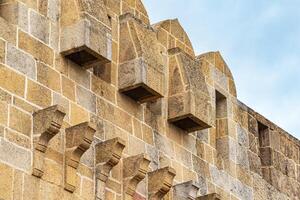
x=85, y=32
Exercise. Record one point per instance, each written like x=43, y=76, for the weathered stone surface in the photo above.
x=38, y=94
x=78, y=140
x=235, y=152
x=14, y=155
x=141, y=72
x=12, y=81
x=160, y=182
x=189, y=101
x=46, y=124
x=21, y=61
x=20, y=121
x=36, y=48
x=85, y=39
x=135, y=170
x=187, y=190
x=15, y=13
x=39, y=27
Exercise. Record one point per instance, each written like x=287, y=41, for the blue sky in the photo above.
x=260, y=41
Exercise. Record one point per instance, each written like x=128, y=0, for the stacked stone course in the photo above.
x=97, y=103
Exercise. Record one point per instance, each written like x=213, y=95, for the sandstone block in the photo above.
x=86, y=43
x=160, y=182
x=39, y=27
x=48, y=77
x=141, y=72
x=6, y=181
x=38, y=94
x=78, y=141
x=12, y=81
x=36, y=48
x=46, y=124
x=187, y=190
x=2, y=51
x=20, y=121
x=15, y=13
x=8, y=32
x=68, y=88
x=86, y=99
x=189, y=102
x=21, y=61
x=14, y=155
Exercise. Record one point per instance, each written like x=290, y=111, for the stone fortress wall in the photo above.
x=97, y=103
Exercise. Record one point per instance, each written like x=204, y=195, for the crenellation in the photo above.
x=98, y=103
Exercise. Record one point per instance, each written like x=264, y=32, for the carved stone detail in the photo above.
x=78, y=140
x=184, y=191
x=108, y=155
x=135, y=169
x=46, y=124
x=141, y=71
x=86, y=32
x=212, y=196
x=189, y=101
x=160, y=182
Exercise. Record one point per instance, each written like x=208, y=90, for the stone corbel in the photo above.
x=160, y=182
x=186, y=190
x=78, y=140
x=135, y=169
x=108, y=155
x=46, y=124
x=213, y=196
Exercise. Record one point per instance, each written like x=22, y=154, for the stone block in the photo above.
x=141, y=70
x=185, y=191
x=8, y=32
x=212, y=196
x=134, y=171
x=160, y=182
x=86, y=43
x=78, y=141
x=12, y=81
x=48, y=77
x=3, y=113
x=20, y=121
x=86, y=99
x=15, y=13
x=68, y=88
x=37, y=49
x=6, y=181
x=46, y=124
x=189, y=104
x=38, y=94
x=39, y=26
x=14, y=155
x=21, y=61
x=108, y=155
x=2, y=51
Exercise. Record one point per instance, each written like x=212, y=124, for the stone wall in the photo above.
x=97, y=103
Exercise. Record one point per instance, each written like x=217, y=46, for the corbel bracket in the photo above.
x=213, y=196
x=46, y=124
x=186, y=190
x=160, y=182
x=78, y=141
x=135, y=169
x=108, y=155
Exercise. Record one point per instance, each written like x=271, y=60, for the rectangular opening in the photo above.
x=263, y=135
x=221, y=115
x=221, y=106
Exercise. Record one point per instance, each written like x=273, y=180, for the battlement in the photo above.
x=98, y=103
